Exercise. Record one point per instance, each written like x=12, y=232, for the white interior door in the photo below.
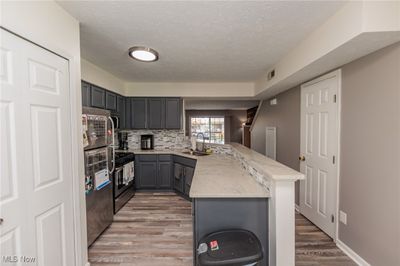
x=319, y=150
x=36, y=202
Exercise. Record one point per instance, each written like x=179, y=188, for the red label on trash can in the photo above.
x=214, y=245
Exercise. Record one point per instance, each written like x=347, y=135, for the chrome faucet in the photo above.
x=204, y=140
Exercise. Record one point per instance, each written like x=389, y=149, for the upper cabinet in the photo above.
x=135, y=112
x=138, y=113
x=85, y=94
x=156, y=113
x=111, y=101
x=98, y=97
x=121, y=111
x=173, y=113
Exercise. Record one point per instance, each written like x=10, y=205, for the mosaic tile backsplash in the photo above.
x=163, y=139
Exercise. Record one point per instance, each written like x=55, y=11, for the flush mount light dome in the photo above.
x=143, y=54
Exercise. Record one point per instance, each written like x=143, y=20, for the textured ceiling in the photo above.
x=198, y=41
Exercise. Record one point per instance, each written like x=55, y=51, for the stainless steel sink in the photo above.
x=196, y=153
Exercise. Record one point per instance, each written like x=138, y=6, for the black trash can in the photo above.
x=234, y=247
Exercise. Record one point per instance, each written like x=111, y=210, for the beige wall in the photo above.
x=98, y=76
x=370, y=157
x=233, y=122
x=285, y=116
x=370, y=152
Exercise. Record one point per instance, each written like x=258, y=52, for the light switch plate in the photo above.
x=342, y=217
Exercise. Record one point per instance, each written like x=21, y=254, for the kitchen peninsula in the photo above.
x=238, y=187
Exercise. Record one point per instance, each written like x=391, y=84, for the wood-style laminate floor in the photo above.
x=155, y=229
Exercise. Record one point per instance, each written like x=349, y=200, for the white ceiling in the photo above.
x=211, y=104
x=226, y=41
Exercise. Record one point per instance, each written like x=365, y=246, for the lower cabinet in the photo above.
x=165, y=172
x=147, y=176
x=154, y=172
x=164, y=175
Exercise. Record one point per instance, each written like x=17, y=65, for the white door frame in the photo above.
x=79, y=203
x=338, y=74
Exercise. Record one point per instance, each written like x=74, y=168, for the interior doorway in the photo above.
x=319, y=147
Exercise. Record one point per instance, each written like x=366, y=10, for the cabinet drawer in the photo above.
x=148, y=158
x=164, y=157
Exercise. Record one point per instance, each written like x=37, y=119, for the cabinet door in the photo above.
x=98, y=97
x=156, y=113
x=173, y=113
x=147, y=175
x=138, y=113
x=85, y=94
x=178, y=177
x=128, y=113
x=121, y=111
x=189, y=172
x=164, y=175
x=111, y=101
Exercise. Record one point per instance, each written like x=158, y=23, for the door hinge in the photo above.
x=334, y=98
x=334, y=159
x=332, y=218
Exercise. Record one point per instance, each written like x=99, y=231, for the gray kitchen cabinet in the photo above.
x=154, y=172
x=121, y=111
x=156, y=113
x=111, y=101
x=138, y=113
x=183, y=175
x=147, y=176
x=85, y=94
x=188, y=172
x=178, y=178
x=97, y=97
x=173, y=113
x=164, y=175
x=128, y=113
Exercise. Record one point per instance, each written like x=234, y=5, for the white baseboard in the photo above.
x=87, y=264
x=297, y=207
x=353, y=255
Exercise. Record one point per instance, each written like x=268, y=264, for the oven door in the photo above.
x=118, y=181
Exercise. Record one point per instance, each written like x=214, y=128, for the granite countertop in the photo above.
x=266, y=166
x=223, y=176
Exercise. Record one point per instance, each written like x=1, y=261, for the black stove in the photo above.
x=122, y=158
x=123, y=190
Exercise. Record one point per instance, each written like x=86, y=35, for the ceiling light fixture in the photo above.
x=143, y=54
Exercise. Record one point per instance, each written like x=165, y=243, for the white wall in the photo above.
x=98, y=76
x=47, y=24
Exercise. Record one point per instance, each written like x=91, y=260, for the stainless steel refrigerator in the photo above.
x=98, y=137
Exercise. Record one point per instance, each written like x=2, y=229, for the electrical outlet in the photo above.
x=342, y=217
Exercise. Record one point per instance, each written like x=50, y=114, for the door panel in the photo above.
x=138, y=113
x=173, y=113
x=156, y=113
x=319, y=146
x=36, y=171
x=164, y=175
x=148, y=175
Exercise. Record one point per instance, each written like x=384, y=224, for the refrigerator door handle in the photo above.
x=113, y=145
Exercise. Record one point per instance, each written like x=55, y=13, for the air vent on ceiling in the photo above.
x=271, y=74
